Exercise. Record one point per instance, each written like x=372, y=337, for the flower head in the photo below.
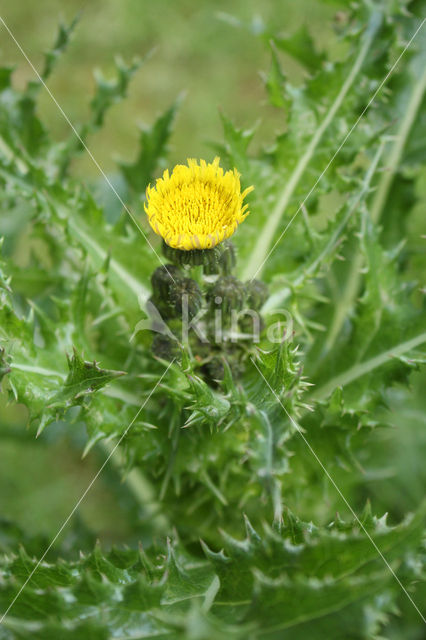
x=197, y=206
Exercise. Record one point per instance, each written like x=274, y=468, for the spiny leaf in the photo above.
x=4, y=366
x=62, y=39
x=250, y=584
x=109, y=92
x=238, y=141
x=83, y=378
x=275, y=82
x=300, y=45
x=152, y=150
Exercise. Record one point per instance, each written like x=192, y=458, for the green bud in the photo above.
x=220, y=259
x=164, y=308
x=257, y=294
x=247, y=326
x=186, y=291
x=227, y=293
x=163, y=279
x=214, y=369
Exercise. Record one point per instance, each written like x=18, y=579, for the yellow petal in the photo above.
x=197, y=206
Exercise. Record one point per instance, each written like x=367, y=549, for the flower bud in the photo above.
x=251, y=326
x=163, y=278
x=221, y=260
x=214, y=369
x=186, y=292
x=162, y=308
x=227, y=293
x=257, y=294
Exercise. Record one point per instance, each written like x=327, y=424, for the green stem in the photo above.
x=359, y=370
x=350, y=291
x=261, y=250
x=310, y=270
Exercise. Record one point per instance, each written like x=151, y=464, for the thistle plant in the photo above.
x=259, y=397
x=194, y=211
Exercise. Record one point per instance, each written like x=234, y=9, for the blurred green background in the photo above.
x=207, y=50
x=194, y=47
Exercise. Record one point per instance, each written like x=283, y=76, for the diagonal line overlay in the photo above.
x=76, y=506
x=84, y=145
x=330, y=162
x=300, y=432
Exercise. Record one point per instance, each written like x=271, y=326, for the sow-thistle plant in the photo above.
x=247, y=374
x=195, y=210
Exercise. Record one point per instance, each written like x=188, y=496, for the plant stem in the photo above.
x=350, y=290
x=263, y=245
x=359, y=370
x=309, y=270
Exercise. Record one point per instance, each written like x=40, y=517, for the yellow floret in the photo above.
x=197, y=206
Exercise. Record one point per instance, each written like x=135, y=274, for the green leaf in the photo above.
x=275, y=82
x=83, y=378
x=152, y=150
x=38, y=377
x=60, y=45
x=4, y=366
x=300, y=45
x=109, y=92
x=330, y=576
x=237, y=143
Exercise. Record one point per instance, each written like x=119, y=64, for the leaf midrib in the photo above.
x=361, y=369
x=260, y=253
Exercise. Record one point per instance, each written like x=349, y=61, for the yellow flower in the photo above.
x=196, y=207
